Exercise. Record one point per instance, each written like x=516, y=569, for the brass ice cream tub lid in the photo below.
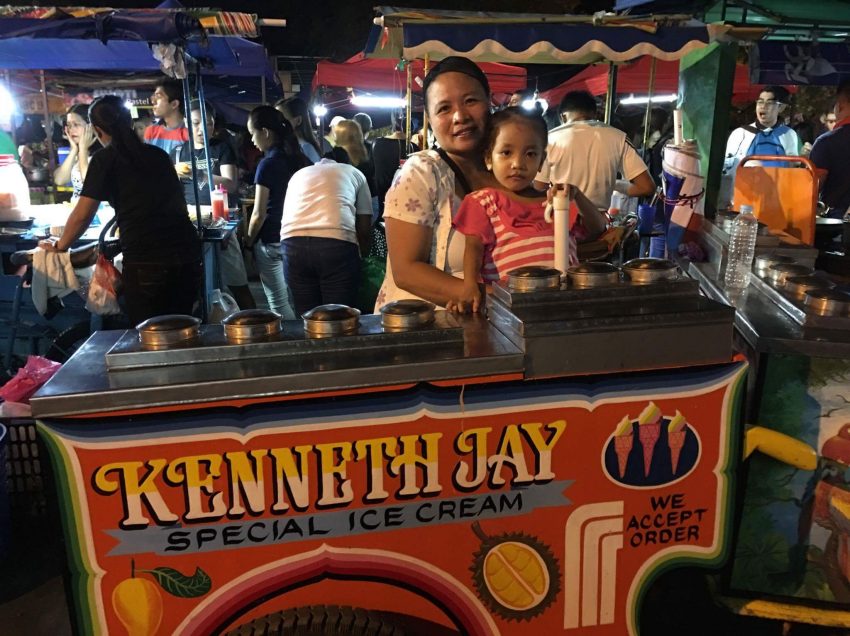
x=160, y=332
x=649, y=270
x=408, y=313
x=778, y=274
x=251, y=324
x=533, y=277
x=593, y=274
x=799, y=285
x=331, y=320
x=827, y=302
x=763, y=263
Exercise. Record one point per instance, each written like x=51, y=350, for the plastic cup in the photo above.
x=646, y=218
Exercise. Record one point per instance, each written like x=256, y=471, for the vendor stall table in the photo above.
x=466, y=477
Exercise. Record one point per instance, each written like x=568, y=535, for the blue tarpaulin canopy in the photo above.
x=534, y=38
x=118, y=40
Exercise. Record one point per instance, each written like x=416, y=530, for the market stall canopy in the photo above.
x=634, y=79
x=391, y=75
x=535, y=38
x=112, y=40
x=785, y=19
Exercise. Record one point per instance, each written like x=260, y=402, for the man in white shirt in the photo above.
x=589, y=154
x=326, y=226
x=765, y=136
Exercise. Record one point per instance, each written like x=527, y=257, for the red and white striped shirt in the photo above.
x=514, y=232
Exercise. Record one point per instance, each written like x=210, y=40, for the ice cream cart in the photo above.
x=531, y=472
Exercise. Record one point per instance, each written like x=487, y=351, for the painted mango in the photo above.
x=138, y=604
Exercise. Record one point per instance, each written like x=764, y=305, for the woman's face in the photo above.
x=458, y=108
x=260, y=137
x=74, y=126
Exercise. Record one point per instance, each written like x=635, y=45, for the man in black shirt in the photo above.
x=224, y=173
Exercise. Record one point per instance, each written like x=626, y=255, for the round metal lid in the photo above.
x=168, y=322
x=831, y=295
x=802, y=284
x=653, y=264
x=533, y=272
x=764, y=261
x=593, y=267
x=407, y=307
x=250, y=318
x=781, y=272
x=331, y=313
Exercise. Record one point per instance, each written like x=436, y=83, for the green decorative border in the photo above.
x=726, y=483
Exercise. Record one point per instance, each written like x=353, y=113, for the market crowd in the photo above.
x=363, y=219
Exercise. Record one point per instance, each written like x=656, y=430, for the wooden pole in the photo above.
x=650, y=91
x=409, y=105
x=425, y=108
x=48, y=128
x=612, y=92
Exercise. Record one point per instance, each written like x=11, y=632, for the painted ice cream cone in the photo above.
x=624, y=440
x=676, y=431
x=649, y=430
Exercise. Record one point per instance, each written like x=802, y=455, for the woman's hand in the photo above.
x=468, y=302
x=51, y=245
x=71, y=143
x=87, y=138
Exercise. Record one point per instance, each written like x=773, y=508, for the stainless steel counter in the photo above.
x=85, y=385
x=764, y=326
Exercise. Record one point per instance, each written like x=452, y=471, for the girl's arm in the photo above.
x=409, y=246
x=83, y=150
x=76, y=224
x=473, y=258
x=258, y=216
x=594, y=221
x=62, y=174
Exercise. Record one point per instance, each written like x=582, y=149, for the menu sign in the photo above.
x=493, y=509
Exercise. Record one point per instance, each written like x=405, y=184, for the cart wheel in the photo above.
x=335, y=620
x=67, y=342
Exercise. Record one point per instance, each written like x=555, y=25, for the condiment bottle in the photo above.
x=219, y=207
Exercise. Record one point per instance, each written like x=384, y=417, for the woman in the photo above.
x=83, y=144
x=327, y=215
x=273, y=135
x=295, y=110
x=424, y=251
x=162, y=253
x=349, y=137
x=387, y=155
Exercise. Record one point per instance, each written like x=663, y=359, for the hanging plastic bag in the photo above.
x=104, y=289
x=28, y=379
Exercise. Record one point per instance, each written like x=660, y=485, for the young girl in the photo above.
x=83, y=144
x=505, y=227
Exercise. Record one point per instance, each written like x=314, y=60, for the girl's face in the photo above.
x=74, y=126
x=458, y=109
x=260, y=137
x=517, y=155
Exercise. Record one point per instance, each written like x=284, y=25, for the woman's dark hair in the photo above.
x=285, y=139
x=195, y=104
x=111, y=115
x=297, y=107
x=80, y=110
x=515, y=113
x=455, y=64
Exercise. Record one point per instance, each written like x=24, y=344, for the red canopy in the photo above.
x=634, y=78
x=378, y=74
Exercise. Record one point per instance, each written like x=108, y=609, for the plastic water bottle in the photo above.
x=742, y=247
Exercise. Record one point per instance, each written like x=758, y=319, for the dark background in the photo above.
x=337, y=29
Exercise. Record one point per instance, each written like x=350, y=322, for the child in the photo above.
x=504, y=226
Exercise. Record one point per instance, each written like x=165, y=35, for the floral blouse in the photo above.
x=424, y=194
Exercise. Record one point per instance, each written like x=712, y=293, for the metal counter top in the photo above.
x=84, y=378
x=764, y=325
